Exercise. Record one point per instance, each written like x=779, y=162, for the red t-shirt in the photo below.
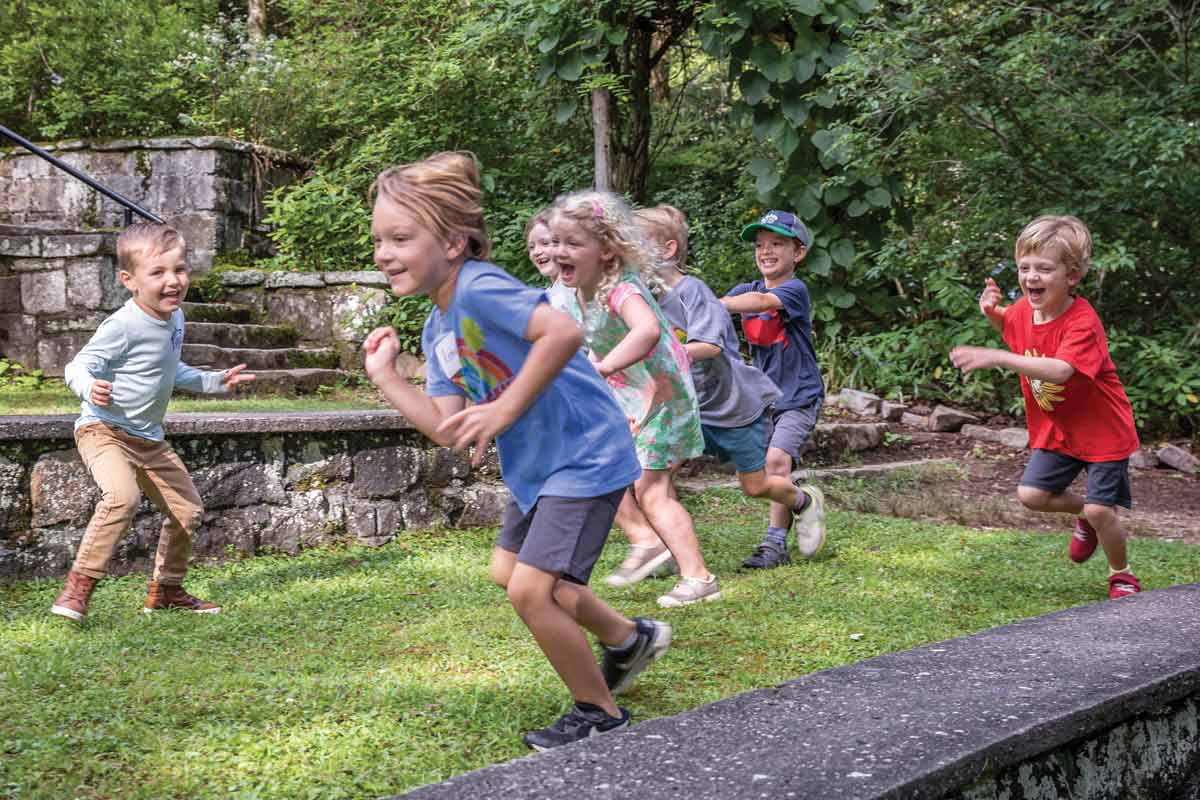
x=1088, y=418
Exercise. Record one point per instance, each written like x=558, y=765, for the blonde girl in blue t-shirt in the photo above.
x=492, y=341
x=601, y=255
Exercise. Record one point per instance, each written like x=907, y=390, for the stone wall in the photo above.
x=326, y=309
x=210, y=188
x=270, y=482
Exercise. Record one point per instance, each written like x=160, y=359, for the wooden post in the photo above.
x=602, y=139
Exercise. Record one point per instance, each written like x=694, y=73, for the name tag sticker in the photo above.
x=447, y=355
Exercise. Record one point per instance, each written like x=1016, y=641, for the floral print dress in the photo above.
x=656, y=393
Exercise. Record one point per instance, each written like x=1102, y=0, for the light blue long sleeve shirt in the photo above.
x=139, y=355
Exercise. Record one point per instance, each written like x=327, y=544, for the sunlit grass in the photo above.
x=359, y=673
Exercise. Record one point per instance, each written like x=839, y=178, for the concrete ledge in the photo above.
x=945, y=720
x=61, y=426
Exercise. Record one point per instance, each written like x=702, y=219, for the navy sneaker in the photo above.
x=581, y=722
x=766, y=556
x=620, y=667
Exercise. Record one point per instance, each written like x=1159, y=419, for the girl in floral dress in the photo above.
x=602, y=257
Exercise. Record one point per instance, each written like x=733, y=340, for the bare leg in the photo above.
x=779, y=464
x=672, y=521
x=777, y=488
x=532, y=594
x=634, y=523
x=1107, y=524
x=1040, y=500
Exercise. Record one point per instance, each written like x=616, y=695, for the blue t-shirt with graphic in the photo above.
x=573, y=440
x=781, y=343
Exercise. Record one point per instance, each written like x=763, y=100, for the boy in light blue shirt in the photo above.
x=125, y=376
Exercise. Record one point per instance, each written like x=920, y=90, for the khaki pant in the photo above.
x=121, y=463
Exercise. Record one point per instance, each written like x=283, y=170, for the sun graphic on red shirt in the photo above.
x=1044, y=392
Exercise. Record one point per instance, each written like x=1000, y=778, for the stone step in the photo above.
x=218, y=312
x=293, y=381
x=213, y=357
x=224, y=334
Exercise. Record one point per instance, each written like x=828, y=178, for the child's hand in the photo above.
x=381, y=346
x=972, y=358
x=233, y=377
x=476, y=425
x=989, y=301
x=101, y=394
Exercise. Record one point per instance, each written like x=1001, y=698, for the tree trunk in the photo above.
x=602, y=138
x=256, y=20
x=632, y=147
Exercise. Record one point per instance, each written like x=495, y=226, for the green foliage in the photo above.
x=15, y=376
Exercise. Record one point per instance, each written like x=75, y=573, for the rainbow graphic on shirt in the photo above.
x=482, y=375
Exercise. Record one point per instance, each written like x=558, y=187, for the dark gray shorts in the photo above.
x=1107, y=481
x=560, y=535
x=791, y=429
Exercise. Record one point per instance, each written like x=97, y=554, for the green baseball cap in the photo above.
x=782, y=222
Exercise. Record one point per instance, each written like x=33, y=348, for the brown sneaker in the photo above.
x=72, y=602
x=161, y=596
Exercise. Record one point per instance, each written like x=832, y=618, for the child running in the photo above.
x=601, y=255
x=565, y=451
x=124, y=375
x=539, y=243
x=1075, y=406
x=777, y=320
x=734, y=397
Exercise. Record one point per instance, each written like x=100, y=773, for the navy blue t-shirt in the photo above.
x=781, y=343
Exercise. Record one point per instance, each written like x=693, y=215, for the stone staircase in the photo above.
x=222, y=335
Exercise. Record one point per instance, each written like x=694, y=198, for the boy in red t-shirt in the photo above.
x=1078, y=415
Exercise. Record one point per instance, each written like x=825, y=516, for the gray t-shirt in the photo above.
x=731, y=393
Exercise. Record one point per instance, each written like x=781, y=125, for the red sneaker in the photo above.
x=1083, y=541
x=1122, y=584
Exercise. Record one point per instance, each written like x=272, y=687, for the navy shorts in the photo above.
x=560, y=535
x=791, y=429
x=1107, y=481
x=745, y=447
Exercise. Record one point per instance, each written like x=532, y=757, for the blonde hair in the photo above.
x=607, y=218
x=443, y=193
x=665, y=223
x=1065, y=233
x=540, y=218
x=145, y=240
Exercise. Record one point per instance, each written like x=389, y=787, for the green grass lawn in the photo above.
x=359, y=673
x=53, y=397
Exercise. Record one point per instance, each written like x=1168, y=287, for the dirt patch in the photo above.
x=978, y=488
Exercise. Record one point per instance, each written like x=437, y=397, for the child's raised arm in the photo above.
x=556, y=338
x=426, y=413
x=751, y=302
x=1039, y=368
x=638, y=343
x=989, y=304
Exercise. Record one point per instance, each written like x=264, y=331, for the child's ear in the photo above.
x=456, y=245
x=127, y=280
x=1074, y=276
x=670, y=250
x=801, y=252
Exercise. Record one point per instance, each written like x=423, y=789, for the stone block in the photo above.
x=351, y=310
x=849, y=436
x=44, y=292
x=1178, y=458
x=318, y=472
x=302, y=523
x=1143, y=459
x=18, y=338
x=863, y=403
x=373, y=522
x=92, y=283
x=944, y=419
x=293, y=280
x=306, y=311
x=418, y=512
x=1016, y=438
x=386, y=471
x=75, y=245
x=361, y=278
x=23, y=246
x=10, y=294
x=243, y=277
x=235, y=484
x=61, y=491
x=238, y=528
x=478, y=506
x=55, y=352
x=892, y=412
x=37, y=264
x=914, y=420
x=14, y=500
x=86, y=322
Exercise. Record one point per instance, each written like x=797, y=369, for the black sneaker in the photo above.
x=581, y=722
x=620, y=667
x=766, y=556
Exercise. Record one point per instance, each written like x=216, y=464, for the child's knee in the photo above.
x=121, y=502
x=499, y=573
x=1033, y=498
x=526, y=596
x=1099, y=516
x=754, y=484
x=778, y=462
x=190, y=516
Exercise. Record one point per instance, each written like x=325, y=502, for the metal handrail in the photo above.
x=131, y=207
